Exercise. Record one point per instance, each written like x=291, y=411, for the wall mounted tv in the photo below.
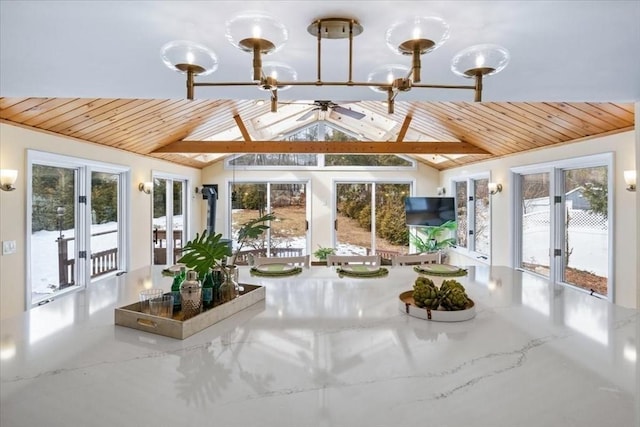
x=427, y=211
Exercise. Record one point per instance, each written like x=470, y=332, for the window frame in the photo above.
x=556, y=169
x=84, y=169
x=470, y=249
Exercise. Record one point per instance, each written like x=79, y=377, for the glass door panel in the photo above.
x=353, y=217
x=53, y=231
x=159, y=221
x=104, y=235
x=177, y=215
x=586, y=229
x=535, y=211
x=169, y=204
x=289, y=232
x=481, y=216
x=248, y=201
x=391, y=231
x=461, y=213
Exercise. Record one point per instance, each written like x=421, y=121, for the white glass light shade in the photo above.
x=429, y=32
x=280, y=72
x=630, y=179
x=8, y=178
x=494, y=187
x=180, y=55
x=246, y=27
x=386, y=74
x=145, y=187
x=486, y=59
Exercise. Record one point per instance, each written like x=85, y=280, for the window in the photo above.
x=320, y=131
x=169, y=213
x=473, y=216
x=76, y=227
x=564, y=220
x=370, y=218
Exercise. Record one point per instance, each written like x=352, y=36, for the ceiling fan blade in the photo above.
x=306, y=115
x=348, y=112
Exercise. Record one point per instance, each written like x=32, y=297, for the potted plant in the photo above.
x=430, y=238
x=322, y=253
x=208, y=251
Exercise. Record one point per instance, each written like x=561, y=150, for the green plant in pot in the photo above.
x=322, y=253
x=430, y=238
x=209, y=252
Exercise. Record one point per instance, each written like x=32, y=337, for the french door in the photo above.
x=289, y=234
x=76, y=225
x=370, y=218
x=564, y=222
x=169, y=210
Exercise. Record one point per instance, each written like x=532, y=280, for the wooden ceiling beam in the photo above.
x=334, y=147
x=404, y=128
x=242, y=127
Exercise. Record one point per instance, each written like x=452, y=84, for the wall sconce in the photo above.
x=8, y=178
x=630, y=179
x=494, y=188
x=145, y=187
x=441, y=191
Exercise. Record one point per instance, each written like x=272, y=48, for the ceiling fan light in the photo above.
x=185, y=55
x=249, y=29
x=280, y=72
x=484, y=59
x=386, y=74
x=424, y=33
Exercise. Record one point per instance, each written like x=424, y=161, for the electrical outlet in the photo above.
x=8, y=247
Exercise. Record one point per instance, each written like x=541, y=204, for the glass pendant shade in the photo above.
x=256, y=29
x=387, y=74
x=278, y=72
x=422, y=33
x=184, y=55
x=484, y=59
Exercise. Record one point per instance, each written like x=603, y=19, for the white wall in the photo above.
x=14, y=143
x=623, y=145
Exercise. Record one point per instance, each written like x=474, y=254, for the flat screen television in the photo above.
x=427, y=211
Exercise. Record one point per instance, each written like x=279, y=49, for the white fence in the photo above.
x=587, y=237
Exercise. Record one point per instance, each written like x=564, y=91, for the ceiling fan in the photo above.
x=323, y=105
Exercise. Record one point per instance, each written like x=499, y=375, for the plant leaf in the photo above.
x=202, y=253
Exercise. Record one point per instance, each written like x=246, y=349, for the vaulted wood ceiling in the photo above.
x=200, y=132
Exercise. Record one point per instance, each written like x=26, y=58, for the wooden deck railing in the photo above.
x=102, y=262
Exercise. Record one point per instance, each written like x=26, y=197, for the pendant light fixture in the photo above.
x=260, y=34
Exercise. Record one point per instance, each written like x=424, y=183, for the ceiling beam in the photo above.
x=242, y=127
x=404, y=128
x=335, y=147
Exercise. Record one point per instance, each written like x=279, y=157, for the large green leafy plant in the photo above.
x=430, y=238
x=208, y=250
x=252, y=229
x=204, y=252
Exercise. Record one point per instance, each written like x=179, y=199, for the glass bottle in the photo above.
x=228, y=287
x=207, y=291
x=175, y=291
x=191, y=295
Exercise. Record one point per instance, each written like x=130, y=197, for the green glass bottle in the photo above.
x=175, y=289
x=207, y=291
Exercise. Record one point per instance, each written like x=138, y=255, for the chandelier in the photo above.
x=260, y=34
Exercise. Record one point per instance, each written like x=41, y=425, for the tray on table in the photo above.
x=131, y=316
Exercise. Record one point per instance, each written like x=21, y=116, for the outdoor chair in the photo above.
x=373, y=260
x=417, y=259
x=301, y=261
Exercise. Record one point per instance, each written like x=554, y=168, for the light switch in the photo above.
x=8, y=247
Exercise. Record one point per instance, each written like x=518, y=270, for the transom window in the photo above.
x=320, y=131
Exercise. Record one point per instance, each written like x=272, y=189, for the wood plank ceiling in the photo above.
x=431, y=131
